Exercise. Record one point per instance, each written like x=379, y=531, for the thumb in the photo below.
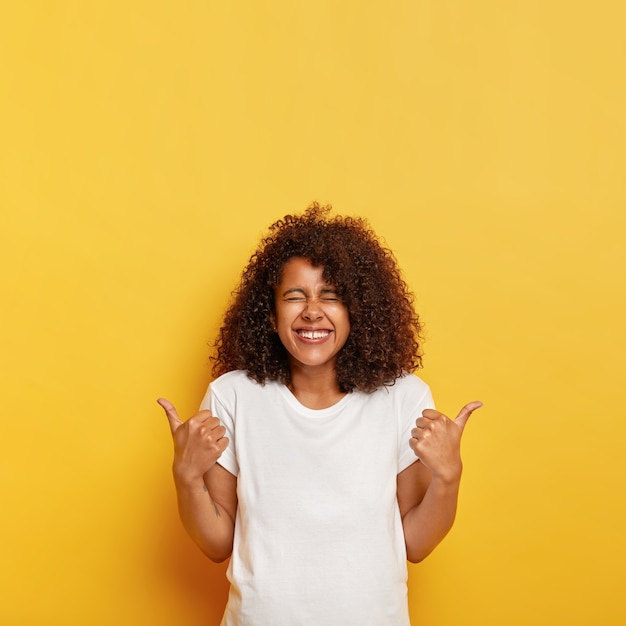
x=465, y=412
x=170, y=412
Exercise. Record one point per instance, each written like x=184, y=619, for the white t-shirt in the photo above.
x=318, y=535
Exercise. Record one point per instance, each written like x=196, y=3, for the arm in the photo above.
x=428, y=509
x=206, y=492
x=207, y=509
x=428, y=489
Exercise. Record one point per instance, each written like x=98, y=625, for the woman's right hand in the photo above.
x=198, y=442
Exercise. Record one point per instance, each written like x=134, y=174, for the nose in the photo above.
x=312, y=311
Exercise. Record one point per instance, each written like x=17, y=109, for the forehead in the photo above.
x=299, y=271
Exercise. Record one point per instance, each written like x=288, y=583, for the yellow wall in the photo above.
x=144, y=147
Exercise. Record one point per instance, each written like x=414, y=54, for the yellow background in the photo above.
x=144, y=148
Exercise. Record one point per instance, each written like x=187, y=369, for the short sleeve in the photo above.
x=228, y=459
x=413, y=404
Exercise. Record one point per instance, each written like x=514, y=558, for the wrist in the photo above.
x=449, y=478
x=187, y=479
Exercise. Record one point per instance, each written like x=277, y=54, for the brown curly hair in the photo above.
x=384, y=338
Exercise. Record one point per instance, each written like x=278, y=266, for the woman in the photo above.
x=317, y=461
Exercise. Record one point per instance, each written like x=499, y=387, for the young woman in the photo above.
x=317, y=461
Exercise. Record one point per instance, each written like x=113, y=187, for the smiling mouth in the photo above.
x=313, y=334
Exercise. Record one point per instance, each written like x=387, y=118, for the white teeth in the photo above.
x=313, y=334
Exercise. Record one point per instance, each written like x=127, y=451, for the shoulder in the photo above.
x=232, y=378
x=238, y=383
x=407, y=395
x=237, y=379
x=408, y=385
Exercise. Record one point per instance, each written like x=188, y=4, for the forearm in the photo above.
x=208, y=523
x=427, y=523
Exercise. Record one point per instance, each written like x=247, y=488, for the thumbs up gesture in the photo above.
x=198, y=442
x=436, y=440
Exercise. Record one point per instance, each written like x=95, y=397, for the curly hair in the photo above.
x=385, y=331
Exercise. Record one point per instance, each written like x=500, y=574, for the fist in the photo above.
x=436, y=440
x=198, y=442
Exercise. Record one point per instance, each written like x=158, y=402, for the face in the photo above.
x=312, y=322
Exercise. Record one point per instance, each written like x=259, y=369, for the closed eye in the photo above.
x=329, y=295
x=297, y=295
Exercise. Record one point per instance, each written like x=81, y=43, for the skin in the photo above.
x=313, y=325
x=305, y=303
x=428, y=489
x=206, y=492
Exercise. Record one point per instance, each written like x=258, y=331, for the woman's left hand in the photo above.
x=436, y=440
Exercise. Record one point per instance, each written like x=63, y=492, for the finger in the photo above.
x=425, y=423
x=219, y=432
x=431, y=414
x=216, y=444
x=171, y=414
x=203, y=418
x=465, y=412
x=419, y=434
x=213, y=432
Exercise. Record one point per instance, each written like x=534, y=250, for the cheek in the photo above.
x=344, y=318
x=284, y=315
x=343, y=327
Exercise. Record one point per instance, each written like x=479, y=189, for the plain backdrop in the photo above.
x=145, y=147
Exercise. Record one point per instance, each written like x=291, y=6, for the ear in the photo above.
x=273, y=321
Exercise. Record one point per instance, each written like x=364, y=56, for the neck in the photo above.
x=315, y=389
